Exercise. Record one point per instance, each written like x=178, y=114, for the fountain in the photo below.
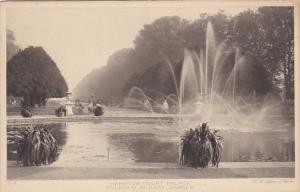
x=213, y=89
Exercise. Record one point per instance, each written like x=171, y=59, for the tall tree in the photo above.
x=268, y=35
x=278, y=28
x=161, y=40
x=33, y=75
x=264, y=36
x=106, y=82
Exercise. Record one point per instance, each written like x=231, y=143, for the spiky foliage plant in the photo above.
x=200, y=146
x=36, y=146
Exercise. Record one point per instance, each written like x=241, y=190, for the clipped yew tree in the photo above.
x=33, y=75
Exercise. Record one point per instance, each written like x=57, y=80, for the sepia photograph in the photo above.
x=149, y=96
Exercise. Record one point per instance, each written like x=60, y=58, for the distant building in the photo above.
x=16, y=101
x=56, y=102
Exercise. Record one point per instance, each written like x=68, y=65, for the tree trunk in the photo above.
x=289, y=71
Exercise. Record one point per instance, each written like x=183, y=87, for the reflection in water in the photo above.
x=258, y=146
x=91, y=144
x=145, y=147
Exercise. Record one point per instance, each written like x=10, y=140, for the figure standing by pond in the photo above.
x=98, y=110
x=26, y=112
x=61, y=111
x=166, y=106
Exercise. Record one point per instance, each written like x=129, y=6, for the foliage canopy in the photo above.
x=33, y=75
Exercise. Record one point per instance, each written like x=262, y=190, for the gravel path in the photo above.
x=155, y=171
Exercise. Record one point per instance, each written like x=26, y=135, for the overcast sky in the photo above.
x=80, y=39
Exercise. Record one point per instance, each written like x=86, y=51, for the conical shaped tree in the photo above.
x=33, y=75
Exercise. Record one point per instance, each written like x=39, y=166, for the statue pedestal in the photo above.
x=199, y=103
x=69, y=104
x=199, y=107
x=69, y=107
